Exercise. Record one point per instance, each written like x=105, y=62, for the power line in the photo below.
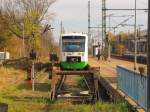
x=100, y=27
x=131, y=25
x=120, y=16
x=124, y=21
x=125, y=9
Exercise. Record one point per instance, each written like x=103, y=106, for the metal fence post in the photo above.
x=33, y=77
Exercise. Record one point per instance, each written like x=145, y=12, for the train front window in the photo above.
x=73, y=44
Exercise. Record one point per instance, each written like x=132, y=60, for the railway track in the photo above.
x=73, y=93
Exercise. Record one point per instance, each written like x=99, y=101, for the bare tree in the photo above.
x=26, y=15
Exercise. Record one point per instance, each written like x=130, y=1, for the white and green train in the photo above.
x=74, y=51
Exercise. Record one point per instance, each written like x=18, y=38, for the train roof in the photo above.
x=74, y=34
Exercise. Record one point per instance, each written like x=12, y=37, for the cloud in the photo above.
x=70, y=9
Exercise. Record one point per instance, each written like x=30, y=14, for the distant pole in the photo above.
x=135, y=38
x=98, y=35
x=103, y=26
x=23, y=44
x=89, y=20
x=148, y=61
x=102, y=29
x=139, y=32
x=64, y=29
x=33, y=77
x=61, y=27
x=109, y=49
x=114, y=31
x=109, y=21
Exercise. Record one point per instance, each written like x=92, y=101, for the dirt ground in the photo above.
x=9, y=77
x=108, y=68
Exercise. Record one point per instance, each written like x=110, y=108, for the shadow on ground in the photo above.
x=40, y=87
x=25, y=64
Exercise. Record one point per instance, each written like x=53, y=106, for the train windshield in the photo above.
x=73, y=44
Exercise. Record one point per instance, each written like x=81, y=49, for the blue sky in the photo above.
x=73, y=13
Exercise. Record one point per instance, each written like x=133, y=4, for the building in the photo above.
x=141, y=44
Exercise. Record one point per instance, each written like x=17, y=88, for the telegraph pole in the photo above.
x=61, y=27
x=98, y=35
x=148, y=61
x=103, y=25
x=109, y=47
x=135, y=38
x=89, y=20
x=23, y=41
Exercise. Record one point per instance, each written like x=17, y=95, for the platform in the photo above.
x=108, y=77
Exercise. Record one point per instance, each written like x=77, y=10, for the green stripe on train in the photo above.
x=80, y=65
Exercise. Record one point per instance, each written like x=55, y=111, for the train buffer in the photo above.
x=90, y=80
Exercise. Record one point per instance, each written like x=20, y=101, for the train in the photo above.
x=73, y=51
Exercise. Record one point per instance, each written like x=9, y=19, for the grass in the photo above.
x=4, y=70
x=42, y=104
x=17, y=94
x=20, y=98
x=98, y=107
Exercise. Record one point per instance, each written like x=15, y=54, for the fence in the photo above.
x=133, y=84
